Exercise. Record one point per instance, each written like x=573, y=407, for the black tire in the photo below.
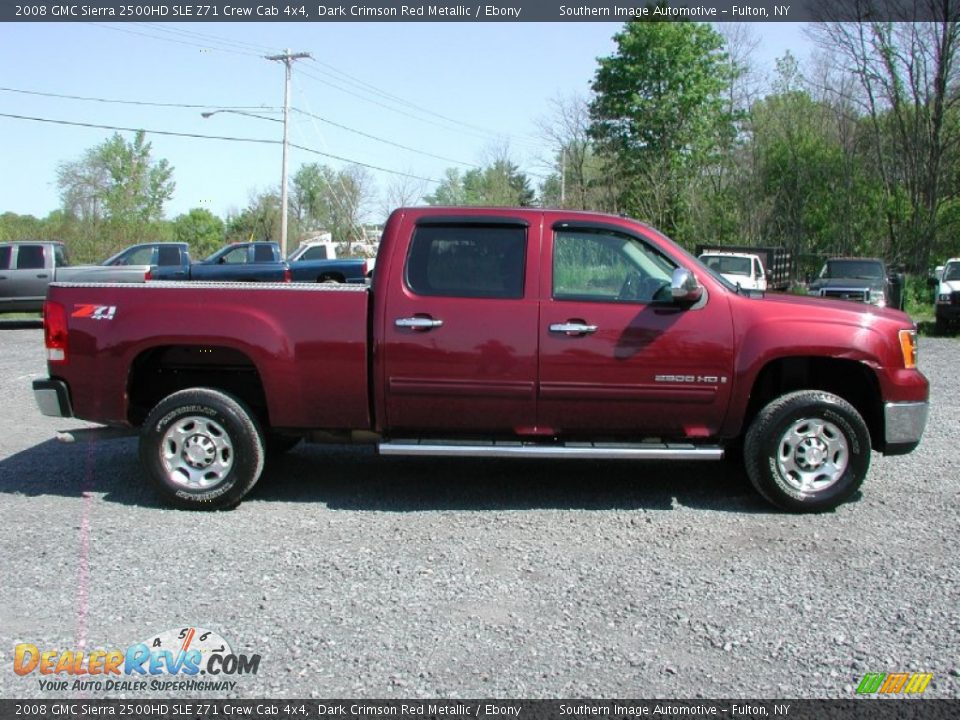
x=202, y=449
x=807, y=451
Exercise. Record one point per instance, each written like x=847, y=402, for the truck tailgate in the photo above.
x=308, y=343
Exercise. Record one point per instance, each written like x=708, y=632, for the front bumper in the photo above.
x=53, y=398
x=904, y=423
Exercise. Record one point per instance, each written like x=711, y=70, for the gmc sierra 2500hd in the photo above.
x=493, y=333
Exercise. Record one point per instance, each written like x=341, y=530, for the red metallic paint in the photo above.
x=492, y=367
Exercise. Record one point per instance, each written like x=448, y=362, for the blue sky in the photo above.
x=455, y=90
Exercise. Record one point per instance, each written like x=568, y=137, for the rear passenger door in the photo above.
x=29, y=272
x=460, y=335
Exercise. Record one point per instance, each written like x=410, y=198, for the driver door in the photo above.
x=617, y=355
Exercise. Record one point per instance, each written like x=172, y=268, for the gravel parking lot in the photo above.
x=358, y=576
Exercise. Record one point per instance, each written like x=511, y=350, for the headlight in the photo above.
x=908, y=346
x=943, y=298
x=877, y=298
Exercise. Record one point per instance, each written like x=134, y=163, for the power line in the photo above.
x=403, y=101
x=137, y=102
x=262, y=141
x=257, y=50
x=383, y=140
x=203, y=46
x=372, y=101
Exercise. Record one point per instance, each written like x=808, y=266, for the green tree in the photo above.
x=500, y=184
x=260, y=220
x=660, y=114
x=907, y=73
x=115, y=192
x=117, y=180
x=202, y=230
x=323, y=198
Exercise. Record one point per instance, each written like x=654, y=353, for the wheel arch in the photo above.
x=852, y=380
x=159, y=371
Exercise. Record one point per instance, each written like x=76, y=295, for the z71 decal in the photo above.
x=94, y=312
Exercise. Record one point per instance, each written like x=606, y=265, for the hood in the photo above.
x=949, y=286
x=843, y=311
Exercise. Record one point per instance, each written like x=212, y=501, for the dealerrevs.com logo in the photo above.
x=188, y=659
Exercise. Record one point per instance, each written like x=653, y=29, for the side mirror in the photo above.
x=684, y=287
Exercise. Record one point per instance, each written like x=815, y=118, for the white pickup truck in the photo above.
x=743, y=269
x=27, y=267
x=948, y=296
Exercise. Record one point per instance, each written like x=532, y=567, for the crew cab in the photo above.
x=28, y=267
x=492, y=332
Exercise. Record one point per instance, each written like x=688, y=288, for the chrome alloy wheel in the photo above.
x=196, y=452
x=813, y=454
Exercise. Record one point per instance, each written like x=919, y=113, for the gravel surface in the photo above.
x=359, y=576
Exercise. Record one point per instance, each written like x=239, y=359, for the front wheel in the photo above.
x=807, y=451
x=202, y=448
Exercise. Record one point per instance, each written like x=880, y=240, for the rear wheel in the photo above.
x=202, y=448
x=807, y=451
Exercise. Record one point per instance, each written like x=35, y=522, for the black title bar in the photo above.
x=617, y=11
x=193, y=709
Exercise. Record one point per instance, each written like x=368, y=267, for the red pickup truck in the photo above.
x=492, y=333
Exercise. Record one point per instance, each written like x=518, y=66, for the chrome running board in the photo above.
x=517, y=449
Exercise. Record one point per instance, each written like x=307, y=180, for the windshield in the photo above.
x=728, y=265
x=862, y=269
x=951, y=272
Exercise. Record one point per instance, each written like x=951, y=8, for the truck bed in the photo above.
x=306, y=345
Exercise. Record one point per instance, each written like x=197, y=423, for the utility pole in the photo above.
x=287, y=59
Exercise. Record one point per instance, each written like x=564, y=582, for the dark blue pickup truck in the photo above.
x=240, y=262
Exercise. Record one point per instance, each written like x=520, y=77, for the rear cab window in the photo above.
x=467, y=260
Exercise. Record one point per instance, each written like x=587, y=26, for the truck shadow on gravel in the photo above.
x=355, y=478
x=21, y=323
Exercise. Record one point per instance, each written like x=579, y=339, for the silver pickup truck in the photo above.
x=27, y=267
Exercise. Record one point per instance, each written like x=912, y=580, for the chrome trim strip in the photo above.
x=592, y=451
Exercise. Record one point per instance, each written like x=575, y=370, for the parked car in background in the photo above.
x=861, y=279
x=948, y=296
x=318, y=262
x=28, y=267
x=742, y=269
x=168, y=261
x=777, y=262
x=258, y=261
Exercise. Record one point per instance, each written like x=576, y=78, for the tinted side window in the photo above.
x=317, y=252
x=60, y=256
x=4, y=257
x=30, y=257
x=262, y=253
x=168, y=255
x=467, y=261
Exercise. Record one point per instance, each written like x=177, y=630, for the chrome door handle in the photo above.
x=573, y=328
x=418, y=323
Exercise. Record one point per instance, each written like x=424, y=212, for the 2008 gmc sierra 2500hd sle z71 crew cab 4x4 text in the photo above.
x=493, y=333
